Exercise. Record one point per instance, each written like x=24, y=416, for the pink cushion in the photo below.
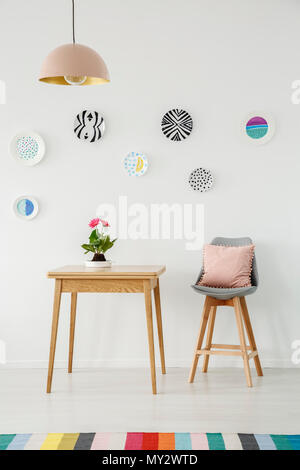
x=227, y=266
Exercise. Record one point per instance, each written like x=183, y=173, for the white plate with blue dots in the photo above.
x=28, y=148
x=136, y=164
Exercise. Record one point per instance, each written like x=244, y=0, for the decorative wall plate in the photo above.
x=136, y=164
x=201, y=180
x=258, y=128
x=89, y=126
x=26, y=207
x=28, y=148
x=177, y=124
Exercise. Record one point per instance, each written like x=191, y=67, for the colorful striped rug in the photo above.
x=149, y=441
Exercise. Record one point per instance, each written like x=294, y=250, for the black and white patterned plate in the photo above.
x=177, y=124
x=201, y=180
x=89, y=126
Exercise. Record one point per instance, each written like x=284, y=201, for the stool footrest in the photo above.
x=229, y=346
x=220, y=353
x=224, y=350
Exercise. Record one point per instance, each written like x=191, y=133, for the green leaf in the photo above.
x=108, y=243
x=88, y=247
x=94, y=237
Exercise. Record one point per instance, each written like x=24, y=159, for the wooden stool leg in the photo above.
x=148, y=305
x=203, y=324
x=250, y=334
x=159, y=327
x=210, y=330
x=72, y=329
x=55, y=317
x=239, y=321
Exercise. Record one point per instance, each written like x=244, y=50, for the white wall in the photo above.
x=217, y=59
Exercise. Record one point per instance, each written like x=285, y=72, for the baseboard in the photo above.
x=142, y=363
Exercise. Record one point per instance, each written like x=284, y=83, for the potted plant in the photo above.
x=99, y=243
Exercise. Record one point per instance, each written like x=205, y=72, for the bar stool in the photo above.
x=227, y=297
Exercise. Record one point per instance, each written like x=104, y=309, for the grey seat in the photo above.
x=225, y=294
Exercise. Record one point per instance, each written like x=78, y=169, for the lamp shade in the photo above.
x=74, y=60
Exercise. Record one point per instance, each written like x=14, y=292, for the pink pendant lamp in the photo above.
x=74, y=64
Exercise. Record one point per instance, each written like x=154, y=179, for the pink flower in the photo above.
x=104, y=223
x=94, y=222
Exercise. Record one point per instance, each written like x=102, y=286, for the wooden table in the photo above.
x=125, y=279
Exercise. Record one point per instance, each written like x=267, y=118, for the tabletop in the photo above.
x=116, y=271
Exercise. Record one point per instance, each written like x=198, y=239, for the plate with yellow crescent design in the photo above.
x=136, y=164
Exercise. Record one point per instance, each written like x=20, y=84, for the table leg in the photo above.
x=159, y=327
x=56, y=307
x=72, y=329
x=148, y=305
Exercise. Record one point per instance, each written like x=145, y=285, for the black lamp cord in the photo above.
x=73, y=22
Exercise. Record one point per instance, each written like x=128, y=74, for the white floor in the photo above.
x=121, y=400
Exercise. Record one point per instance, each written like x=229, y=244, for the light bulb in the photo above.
x=72, y=80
